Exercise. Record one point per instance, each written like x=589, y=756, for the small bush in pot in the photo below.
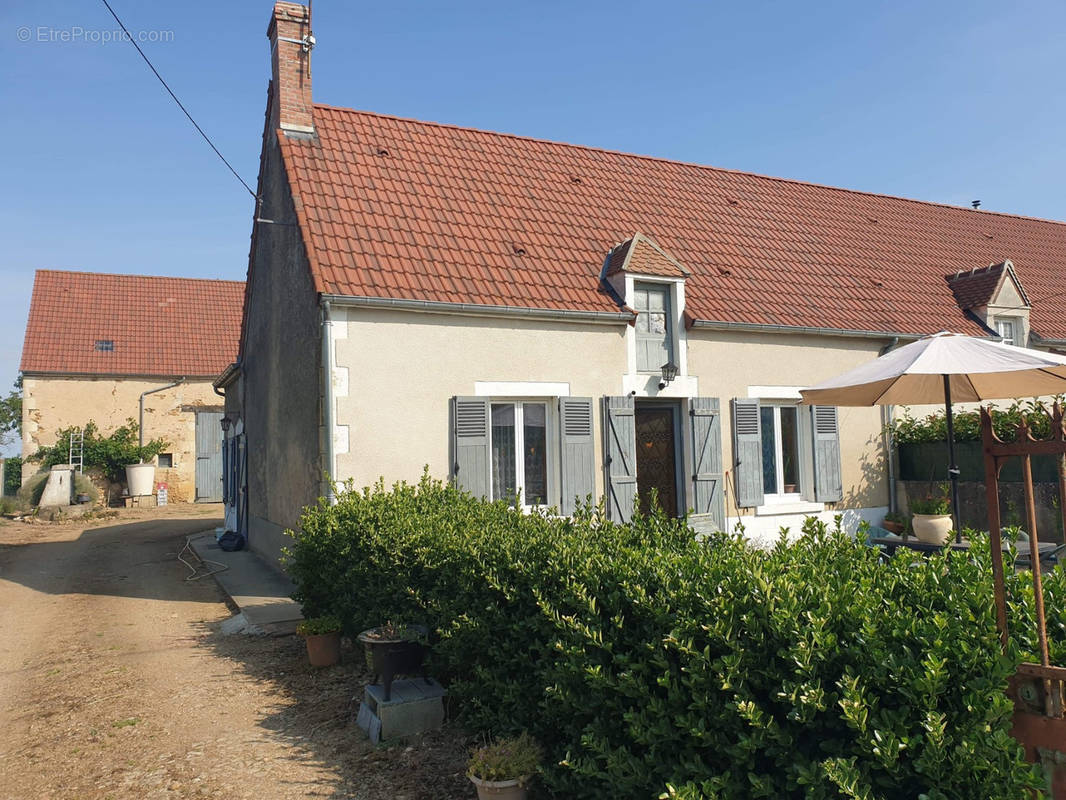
x=932, y=519
x=503, y=769
x=894, y=522
x=323, y=638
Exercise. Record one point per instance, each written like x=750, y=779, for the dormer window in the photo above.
x=654, y=329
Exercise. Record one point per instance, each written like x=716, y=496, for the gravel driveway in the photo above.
x=116, y=683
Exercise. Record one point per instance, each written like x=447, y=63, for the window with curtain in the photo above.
x=780, y=451
x=519, y=440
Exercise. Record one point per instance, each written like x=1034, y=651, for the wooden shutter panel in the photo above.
x=470, y=445
x=747, y=452
x=577, y=469
x=707, y=490
x=828, y=486
x=620, y=456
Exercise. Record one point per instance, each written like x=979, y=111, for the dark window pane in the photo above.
x=769, y=451
x=504, y=484
x=790, y=449
x=534, y=430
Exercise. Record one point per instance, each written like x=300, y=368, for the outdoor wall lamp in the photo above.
x=226, y=422
x=669, y=373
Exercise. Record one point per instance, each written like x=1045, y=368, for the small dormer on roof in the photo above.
x=640, y=255
x=995, y=297
x=978, y=288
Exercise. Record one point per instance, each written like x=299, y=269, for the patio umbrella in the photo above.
x=946, y=367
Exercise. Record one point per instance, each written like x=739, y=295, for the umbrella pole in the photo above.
x=953, y=469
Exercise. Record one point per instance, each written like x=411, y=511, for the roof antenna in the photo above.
x=976, y=204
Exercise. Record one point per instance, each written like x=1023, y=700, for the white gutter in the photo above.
x=327, y=399
x=140, y=417
x=477, y=310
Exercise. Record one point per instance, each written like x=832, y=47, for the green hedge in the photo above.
x=644, y=659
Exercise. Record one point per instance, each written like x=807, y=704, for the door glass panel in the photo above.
x=504, y=480
x=535, y=435
x=790, y=450
x=769, y=450
x=656, y=459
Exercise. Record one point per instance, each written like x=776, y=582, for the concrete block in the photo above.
x=59, y=491
x=416, y=706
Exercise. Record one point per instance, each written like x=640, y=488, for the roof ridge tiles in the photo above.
x=678, y=162
x=139, y=276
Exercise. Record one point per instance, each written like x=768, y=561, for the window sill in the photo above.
x=777, y=509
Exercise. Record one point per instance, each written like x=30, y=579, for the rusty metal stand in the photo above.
x=1036, y=689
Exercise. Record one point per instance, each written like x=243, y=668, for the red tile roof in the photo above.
x=641, y=256
x=396, y=208
x=180, y=327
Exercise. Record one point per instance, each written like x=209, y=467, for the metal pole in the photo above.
x=994, y=527
x=953, y=469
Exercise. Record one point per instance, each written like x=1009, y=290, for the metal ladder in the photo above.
x=76, y=456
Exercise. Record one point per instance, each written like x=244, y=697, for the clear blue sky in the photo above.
x=943, y=101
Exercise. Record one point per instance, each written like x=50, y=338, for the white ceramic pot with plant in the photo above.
x=931, y=522
x=502, y=770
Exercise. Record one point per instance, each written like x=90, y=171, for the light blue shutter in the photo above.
x=828, y=486
x=470, y=445
x=707, y=490
x=747, y=452
x=620, y=456
x=576, y=449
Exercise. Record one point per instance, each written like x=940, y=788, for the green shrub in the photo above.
x=317, y=626
x=506, y=759
x=967, y=424
x=111, y=453
x=12, y=477
x=644, y=658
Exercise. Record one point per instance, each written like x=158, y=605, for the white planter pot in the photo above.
x=140, y=478
x=932, y=528
x=499, y=790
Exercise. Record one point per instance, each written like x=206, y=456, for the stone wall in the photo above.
x=51, y=404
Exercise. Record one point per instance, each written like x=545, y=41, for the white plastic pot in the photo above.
x=140, y=478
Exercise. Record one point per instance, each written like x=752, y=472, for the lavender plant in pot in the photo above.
x=502, y=770
x=323, y=638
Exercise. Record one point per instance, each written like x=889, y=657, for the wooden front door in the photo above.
x=657, y=456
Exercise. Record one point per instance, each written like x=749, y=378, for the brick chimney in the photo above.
x=290, y=56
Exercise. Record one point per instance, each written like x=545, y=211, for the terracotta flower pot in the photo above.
x=932, y=528
x=500, y=790
x=893, y=527
x=324, y=649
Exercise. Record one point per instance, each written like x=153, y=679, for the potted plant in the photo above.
x=323, y=638
x=395, y=648
x=894, y=522
x=503, y=770
x=932, y=519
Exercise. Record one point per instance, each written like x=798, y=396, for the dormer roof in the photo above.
x=980, y=287
x=640, y=255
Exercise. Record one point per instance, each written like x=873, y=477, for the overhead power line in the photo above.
x=170, y=91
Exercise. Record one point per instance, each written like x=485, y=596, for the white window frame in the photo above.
x=551, y=449
x=645, y=384
x=671, y=322
x=1012, y=323
x=778, y=498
